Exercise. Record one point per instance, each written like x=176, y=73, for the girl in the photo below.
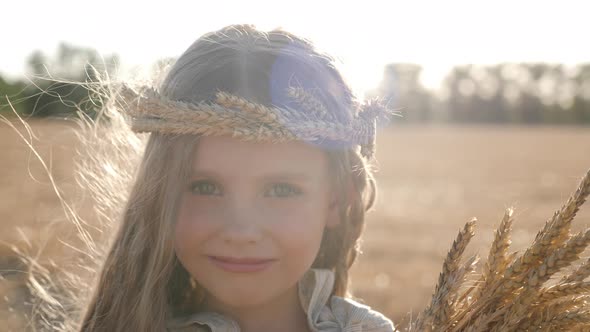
x=246, y=210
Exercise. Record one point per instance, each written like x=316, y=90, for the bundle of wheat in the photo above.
x=516, y=292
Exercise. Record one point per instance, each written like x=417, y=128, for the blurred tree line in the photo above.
x=531, y=93
x=53, y=88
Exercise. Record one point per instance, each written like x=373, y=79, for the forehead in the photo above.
x=230, y=155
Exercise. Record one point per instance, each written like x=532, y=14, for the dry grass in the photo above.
x=432, y=180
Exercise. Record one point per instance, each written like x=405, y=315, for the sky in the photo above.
x=363, y=35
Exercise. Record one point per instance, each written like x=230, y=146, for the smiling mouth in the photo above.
x=241, y=265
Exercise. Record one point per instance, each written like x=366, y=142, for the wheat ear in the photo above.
x=514, y=292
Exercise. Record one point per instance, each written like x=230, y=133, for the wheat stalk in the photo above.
x=513, y=291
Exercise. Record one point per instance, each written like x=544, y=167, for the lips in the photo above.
x=245, y=264
x=242, y=260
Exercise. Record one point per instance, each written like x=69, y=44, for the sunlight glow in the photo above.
x=364, y=36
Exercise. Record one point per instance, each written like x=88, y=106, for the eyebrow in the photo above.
x=294, y=176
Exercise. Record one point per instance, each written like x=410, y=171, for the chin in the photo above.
x=238, y=294
x=243, y=299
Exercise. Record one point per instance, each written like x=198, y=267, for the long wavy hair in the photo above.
x=137, y=283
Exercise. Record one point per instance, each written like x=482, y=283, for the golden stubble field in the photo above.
x=432, y=179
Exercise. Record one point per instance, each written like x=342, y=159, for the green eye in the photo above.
x=283, y=190
x=205, y=188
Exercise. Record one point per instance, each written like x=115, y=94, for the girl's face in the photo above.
x=262, y=201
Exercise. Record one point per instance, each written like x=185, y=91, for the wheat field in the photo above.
x=432, y=179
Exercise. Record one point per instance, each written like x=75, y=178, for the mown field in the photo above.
x=432, y=179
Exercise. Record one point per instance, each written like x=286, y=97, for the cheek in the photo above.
x=299, y=227
x=192, y=228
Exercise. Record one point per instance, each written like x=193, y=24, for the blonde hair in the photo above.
x=140, y=283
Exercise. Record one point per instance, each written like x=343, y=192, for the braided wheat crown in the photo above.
x=235, y=116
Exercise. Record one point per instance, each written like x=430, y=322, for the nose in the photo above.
x=242, y=224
